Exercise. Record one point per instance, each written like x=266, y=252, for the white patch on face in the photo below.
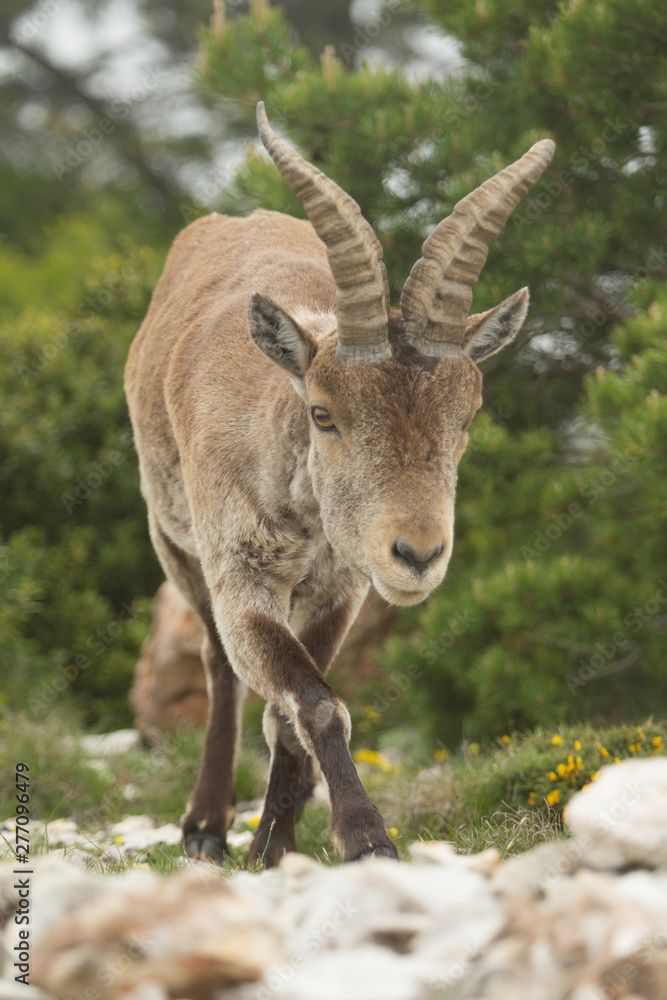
x=318, y=322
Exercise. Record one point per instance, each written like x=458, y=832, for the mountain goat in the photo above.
x=298, y=439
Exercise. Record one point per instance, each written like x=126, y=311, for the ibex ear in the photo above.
x=490, y=331
x=281, y=338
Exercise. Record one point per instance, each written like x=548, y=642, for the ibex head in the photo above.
x=391, y=393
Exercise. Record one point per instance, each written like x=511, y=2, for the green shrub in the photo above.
x=76, y=564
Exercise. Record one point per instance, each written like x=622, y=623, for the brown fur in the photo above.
x=271, y=528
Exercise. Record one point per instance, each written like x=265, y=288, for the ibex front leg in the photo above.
x=291, y=780
x=269, y=657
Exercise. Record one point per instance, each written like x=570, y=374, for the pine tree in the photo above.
x=592, y=76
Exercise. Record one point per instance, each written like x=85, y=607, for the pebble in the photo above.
x=111, y=744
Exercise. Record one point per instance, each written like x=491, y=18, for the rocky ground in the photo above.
x=584, y=918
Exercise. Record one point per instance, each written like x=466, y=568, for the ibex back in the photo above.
x=297, y=440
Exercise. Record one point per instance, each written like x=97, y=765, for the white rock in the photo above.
x=56, y=888
x=366, y=973
x=101, y=767
x=242, y=839
x=112, y=744
x=9, y=826
x=138, y=827
x=532, y=873
x=441, y=852
x=131, y=824
x=435, y=913
x=10, y=990
x=586, y=930
x=64, y=833
x=186, y=934
x=147, y=991
x=248, y=815
x=138, y=833
x=622, y=817
x=320, y=794
x=297, y=865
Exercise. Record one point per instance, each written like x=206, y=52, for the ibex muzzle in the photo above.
x=298, y=439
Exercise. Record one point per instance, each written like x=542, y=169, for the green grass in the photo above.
x=476, y=798
x=153, y=781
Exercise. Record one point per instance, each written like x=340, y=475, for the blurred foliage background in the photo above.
x=123, y=122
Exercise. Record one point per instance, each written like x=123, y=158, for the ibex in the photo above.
x=298, y=439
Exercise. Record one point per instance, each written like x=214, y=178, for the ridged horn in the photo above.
x=436, y=297
x=353, y=250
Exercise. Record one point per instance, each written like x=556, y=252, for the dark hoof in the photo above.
x=204, y=845
x=380, y=851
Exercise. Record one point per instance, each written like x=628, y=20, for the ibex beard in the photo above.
x=299, y=439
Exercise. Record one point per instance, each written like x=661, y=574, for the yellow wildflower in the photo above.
x=441, y=754
x=563, y=771
x=506, y=739
x=373, y=759
x=474, y=748
x=605, y=753
x=577, y=744
x=393, y=832
x=617, y=760
x=532, y=798
x=254, y=821
x=556, y=740
x=118, y=840
x=634, y=747
x=578, y=762
x=553, y=797
x=657, y=742
x=640, y=732
x=552, y=776
x=594, y=777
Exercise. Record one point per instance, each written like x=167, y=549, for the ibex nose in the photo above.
x=416, y=560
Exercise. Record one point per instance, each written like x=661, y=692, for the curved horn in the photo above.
x=436, y=297
x=353, y=250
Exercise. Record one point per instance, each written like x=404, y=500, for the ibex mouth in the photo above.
x=396, y=595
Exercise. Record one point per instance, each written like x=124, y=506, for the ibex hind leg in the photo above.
x=306, y=787
x=211, y=806
x=210, y=809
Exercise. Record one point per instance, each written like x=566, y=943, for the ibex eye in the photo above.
x=322, y=418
